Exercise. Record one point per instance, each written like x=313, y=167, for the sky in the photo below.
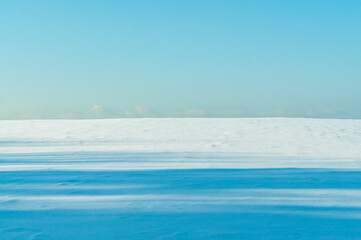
x=114, y=59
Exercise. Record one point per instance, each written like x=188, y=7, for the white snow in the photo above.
x=233, y=143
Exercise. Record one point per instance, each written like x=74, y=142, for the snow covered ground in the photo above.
x=261, y=178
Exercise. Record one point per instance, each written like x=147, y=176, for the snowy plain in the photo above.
x=251, y=178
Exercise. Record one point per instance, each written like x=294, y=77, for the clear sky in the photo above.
x=106, y=59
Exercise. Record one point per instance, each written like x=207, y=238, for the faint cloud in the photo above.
x=227, y=112
x=190, y=113
x=70, y=116
x=99, y=111
x=194, y=112
x=140, y=111
x=143, y=110
x=96, y=108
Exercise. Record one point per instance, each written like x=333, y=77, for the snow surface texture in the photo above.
x=265, y=178
x=246, y=143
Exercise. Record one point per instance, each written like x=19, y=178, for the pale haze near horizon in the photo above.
x=113, y=59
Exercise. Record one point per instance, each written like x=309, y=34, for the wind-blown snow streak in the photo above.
x=211, y=201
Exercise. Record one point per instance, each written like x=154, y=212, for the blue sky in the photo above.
x=105, y=59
